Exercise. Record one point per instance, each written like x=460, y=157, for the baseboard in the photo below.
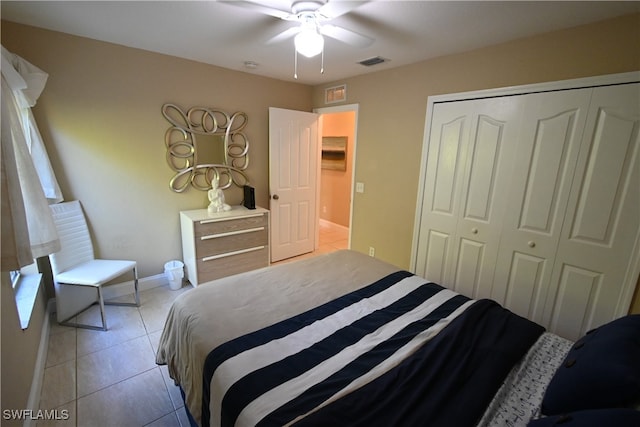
x=332, y=224
x=125, y=288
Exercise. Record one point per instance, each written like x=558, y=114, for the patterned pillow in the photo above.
x=602, y=370
x=592, y=418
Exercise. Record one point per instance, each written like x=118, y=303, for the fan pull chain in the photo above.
x=295, y=63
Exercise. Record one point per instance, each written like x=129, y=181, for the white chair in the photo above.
x=78, y=277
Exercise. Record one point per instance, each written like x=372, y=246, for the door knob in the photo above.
x=532, y=244
x=474, y=230
x=276, y=197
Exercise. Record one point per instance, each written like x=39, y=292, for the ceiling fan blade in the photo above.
x=284, y=35
x=332, y=9
x=346, y=36
x=265, y=10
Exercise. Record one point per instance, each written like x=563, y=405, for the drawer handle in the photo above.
x=209, y=221
x=231, y=233
x=228, y=254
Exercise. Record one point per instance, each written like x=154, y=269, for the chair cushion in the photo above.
x=95, y=272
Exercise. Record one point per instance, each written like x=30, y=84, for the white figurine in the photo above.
x=216, y=197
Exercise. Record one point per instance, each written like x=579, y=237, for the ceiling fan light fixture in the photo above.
x=309, y=42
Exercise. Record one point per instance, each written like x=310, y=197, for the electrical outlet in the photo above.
x=359, y=187
x=372, y=251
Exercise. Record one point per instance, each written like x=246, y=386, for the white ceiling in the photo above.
x=224, y=34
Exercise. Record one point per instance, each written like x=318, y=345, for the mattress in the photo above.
x=212, y=330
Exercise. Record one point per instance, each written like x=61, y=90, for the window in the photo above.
x=335, y=94
x=26, y=283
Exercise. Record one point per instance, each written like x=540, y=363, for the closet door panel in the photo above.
x=578, y=292
x=480, y=196
x=449, y=153
x=528, y=272
x=469, y=161
x=606, y=178
x=602, y=222
x=469, y=267
x=549, y=166
x=548, y=146
x=436, y=250
x=491, y=155
x=448, y=141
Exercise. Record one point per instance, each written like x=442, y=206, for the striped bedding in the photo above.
x=399, y=351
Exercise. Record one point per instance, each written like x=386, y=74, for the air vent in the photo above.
x=373, y=61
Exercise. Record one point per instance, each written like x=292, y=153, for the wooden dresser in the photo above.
x=221, y=244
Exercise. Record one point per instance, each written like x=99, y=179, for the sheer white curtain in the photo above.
x=28, y=231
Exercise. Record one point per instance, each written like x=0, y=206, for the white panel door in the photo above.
x=448, y=144
x=470, y=158
x=293, y=158
x=597, y=258
x=548, y=143
x=561, y=196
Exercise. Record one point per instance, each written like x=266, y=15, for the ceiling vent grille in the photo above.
x=373, y=61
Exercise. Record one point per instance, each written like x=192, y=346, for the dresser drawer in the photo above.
x=208, y=228
x=214, y=244
x=228, y=265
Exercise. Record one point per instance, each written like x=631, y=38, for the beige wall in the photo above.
x=335, y=187
x=19, y=349
x=100, y=117
x=391, y=118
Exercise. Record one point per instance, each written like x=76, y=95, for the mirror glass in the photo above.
x=210, y=149
x=203, y=143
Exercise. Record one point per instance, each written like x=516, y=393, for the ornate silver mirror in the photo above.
x=204, y=143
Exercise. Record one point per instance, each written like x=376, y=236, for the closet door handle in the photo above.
x=531, y=244
x=474, y=230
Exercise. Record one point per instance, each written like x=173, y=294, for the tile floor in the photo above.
x=110, y=378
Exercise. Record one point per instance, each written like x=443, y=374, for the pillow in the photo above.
x=601, y=370
x=592, y=418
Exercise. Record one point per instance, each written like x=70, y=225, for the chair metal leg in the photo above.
x=84, y=325
x=102, y=313
x=102, y=303
x=136, y=295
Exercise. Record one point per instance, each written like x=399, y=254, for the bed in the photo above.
x=346, y=339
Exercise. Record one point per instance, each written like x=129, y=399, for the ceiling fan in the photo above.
x=313, y=17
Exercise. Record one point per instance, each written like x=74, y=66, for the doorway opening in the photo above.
x=338, y=128
x=334, y=185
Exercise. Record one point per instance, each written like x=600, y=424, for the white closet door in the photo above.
x=469, y=160
x=597, y=257
x=548, y=145
x=448, y=142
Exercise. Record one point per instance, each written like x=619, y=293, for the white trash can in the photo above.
x=174, y=270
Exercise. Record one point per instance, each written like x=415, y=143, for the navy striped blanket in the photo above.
x=399, y=352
